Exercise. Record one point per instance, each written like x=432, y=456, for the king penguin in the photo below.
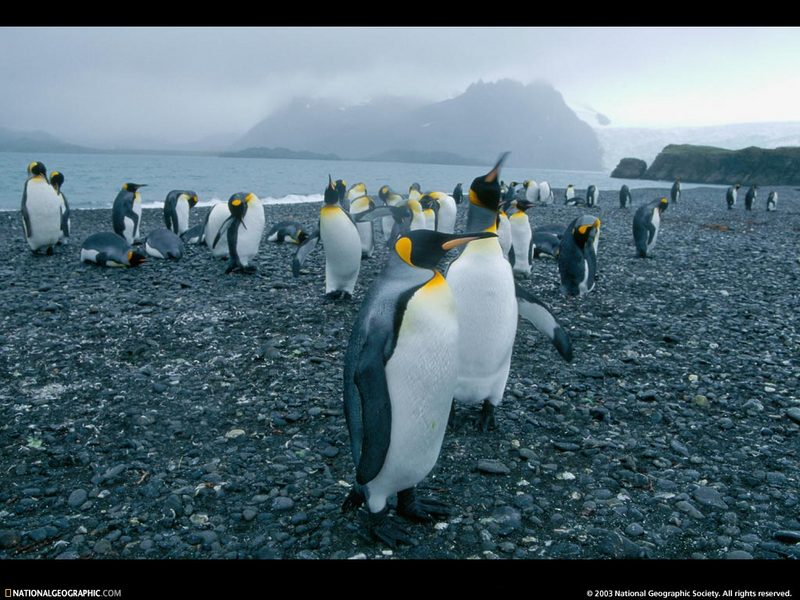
x=646, y=223
x=243, y=229
x=57, y=180
x=772, y=201
x=521, y=238
x=163, y=243
x=545, y=193
x=177, y=206
x=110, y=250
x=429, y=210
x=577, y=256
x=569, y=193
x=675, y=192
x=531, y=190
x=488, y=304
x=625, y=199
x=339, y=236
x=445, y=211
x=730, y=195
x=41, y=211
x=389, y=198
x=341, y=191
x=592, y=196
x=365, y=229
x=397, y=412
x=750, y=197
x=504, y=230
x=290, y=231
x=415, y=192
x=458, y=193
x=215, y=219
x=126, y=215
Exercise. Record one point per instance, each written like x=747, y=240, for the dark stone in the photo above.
x=629, y=168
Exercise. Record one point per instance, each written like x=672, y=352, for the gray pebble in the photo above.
x=77, y=498
x=493, y=467
x=282, y=503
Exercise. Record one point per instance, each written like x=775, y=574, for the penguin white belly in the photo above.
x=89, y=255
x=545, y=193
x=532, y=193
x=583, y=286
x=504, y=235
x=418, y=221
x=570, y=193
x=248, y=238
x=386, y=225
x=342, y=250
x=182, y=210
x=656, y=220
x=447, y=214
x=521, y=239
x=483, y=287
x=137, y=209
x=420, y=377
x=150, y=250
x=219, y=213
x=44, y=212
x=128, y=231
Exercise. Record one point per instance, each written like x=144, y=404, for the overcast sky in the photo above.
x=89, y=84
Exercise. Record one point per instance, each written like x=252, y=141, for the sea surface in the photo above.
x=93, y=180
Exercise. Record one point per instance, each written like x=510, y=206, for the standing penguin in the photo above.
x=730, y=195
x=504, y=230
x=675, y=192
x=531, y=190
x=569, y=193
x=625, y=199
x=57, y=180
x=772, y=201
x=177, y=205
x=396, y=411
x=445, y=210
x=488, y=304
x=521, y=238
x=41, y=211
x=646, y=223
x=415, y=192
x=389, y=198
x=592, y=196
x=365, y=231
x=110, y=250
x=457, y=193
x=243, y=229
x=577, y=256
x=430, y=211
x=215, y=219
x=750, y=197
x=126, y=214
x=342, y=247
x=545, y=193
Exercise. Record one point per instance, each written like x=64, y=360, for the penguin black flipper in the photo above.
x=222, y=229
x=511, y=256
x=651, y=232
x=534, y=310
x=531, y=249
x=65, y=217
x=233, y=234
x=303, y=250
x=374, y=406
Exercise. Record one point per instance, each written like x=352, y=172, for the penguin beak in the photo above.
x=460, y=240
x=493, y=174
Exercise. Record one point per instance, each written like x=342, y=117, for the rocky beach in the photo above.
x=173, y=411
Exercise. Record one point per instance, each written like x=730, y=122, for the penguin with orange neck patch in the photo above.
x=342, y=244
x=488, y=303
x=396, y=411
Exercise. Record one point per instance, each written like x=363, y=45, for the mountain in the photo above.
x=261, y=152
x=34, y=141
x=645, y=143
x=532, y=121
x=705, y=164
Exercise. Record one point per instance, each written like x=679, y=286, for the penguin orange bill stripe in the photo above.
x=449, y=245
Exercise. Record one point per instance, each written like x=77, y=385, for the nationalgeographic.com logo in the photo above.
x=63, y=593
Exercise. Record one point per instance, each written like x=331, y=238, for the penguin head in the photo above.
x=415, y=206
x=425, y=249
x=585, y=227
x=37, y=168
x=237, y=204
x=358, y=190
x=135, y=258
x=192, y=199
x=302, y=236
x=522, y=205
x=738, y=185
x=414, y=191
x=56, y=180
x=485, y=190
x=331, y=193
x=663, y=204
x=341, y=188
x=384, y=192
x=132, y=187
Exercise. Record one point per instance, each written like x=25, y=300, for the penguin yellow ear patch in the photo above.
x=236, y=202
x=250, y=197
x=403, y=249
x=583, y=228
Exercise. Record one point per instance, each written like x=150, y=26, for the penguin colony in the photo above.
x=464, y=320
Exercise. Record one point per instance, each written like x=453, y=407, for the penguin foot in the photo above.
x=49, y=251
x=487, y=420
x=389, y=533
x=250, y=269
x=333, y=296
x=354, y=499
x=420, y=509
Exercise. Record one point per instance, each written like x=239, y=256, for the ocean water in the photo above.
x=93, y=180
